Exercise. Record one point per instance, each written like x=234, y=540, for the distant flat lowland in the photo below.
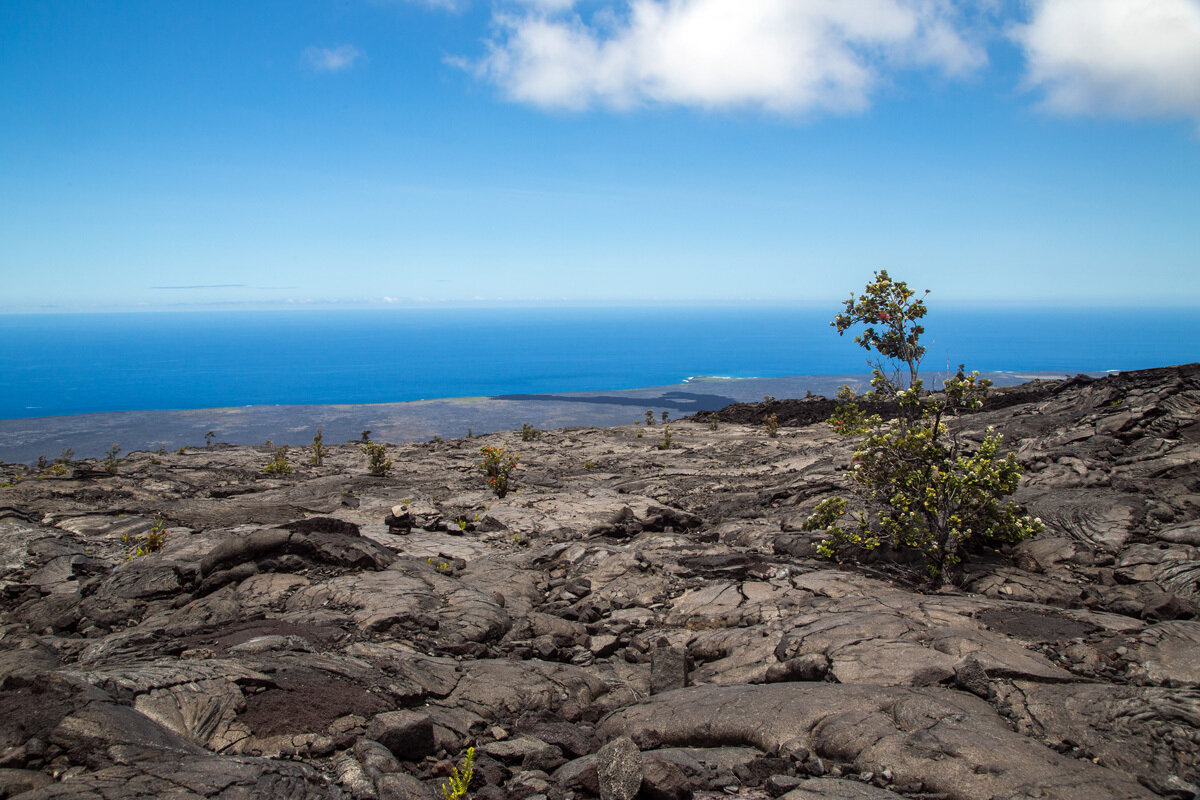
x=91, y=435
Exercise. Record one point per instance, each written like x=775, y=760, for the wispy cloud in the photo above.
x=1120, y=57
x=205, y=286
x=332, y=59
x=787, y=56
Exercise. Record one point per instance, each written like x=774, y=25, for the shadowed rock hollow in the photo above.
x=630, y=622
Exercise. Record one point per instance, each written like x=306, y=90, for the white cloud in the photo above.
x=785, y=56
x=332, y=59
x=1123, y=57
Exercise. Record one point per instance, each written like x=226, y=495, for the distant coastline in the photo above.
x=23, y=440
x=57, y=365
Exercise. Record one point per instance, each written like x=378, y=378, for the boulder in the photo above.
x=619, y=769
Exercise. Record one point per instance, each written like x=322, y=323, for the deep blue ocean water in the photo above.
x=84, y=363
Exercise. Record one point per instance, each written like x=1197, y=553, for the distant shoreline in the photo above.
x=23, y=440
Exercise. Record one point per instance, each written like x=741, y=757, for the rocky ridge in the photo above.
x=631, y=622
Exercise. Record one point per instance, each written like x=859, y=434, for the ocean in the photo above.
x=56, y=364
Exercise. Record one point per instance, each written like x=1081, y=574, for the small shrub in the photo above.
x=377, y=461
x=318, y=449
x=529, y=433
x=665, y=444
x=714, y=420
x=589, y=465
x=772, y=425
x=208, y=438
x=151, y=542
x=110, y=460
x=768, y=399
x=923, y=488
x=497, y=466
x=55, y=470
x=365, y=436
x=65, y=457
x=666, y=415
x=42, y=463
x=649, y=417
x=279, y=464
x=455, y=788
x=470, y=435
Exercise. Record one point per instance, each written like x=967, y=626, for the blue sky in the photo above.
x=394, y=152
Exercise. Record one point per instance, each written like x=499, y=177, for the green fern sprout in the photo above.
x=460, y=778
x=152, y=542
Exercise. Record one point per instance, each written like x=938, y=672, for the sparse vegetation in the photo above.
x=459, y=782
x=377, y=461
x=318, y=448
x=529, y=433
x=365, y=436
x=278, y=465
x=665, y=444
x=151, y=542
x=110, y=460
x=497, y=466
x=208, y=438
x=649, y=417
x=714, y=420
x=771, y=423
x=922, y=488
x=666, y=415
